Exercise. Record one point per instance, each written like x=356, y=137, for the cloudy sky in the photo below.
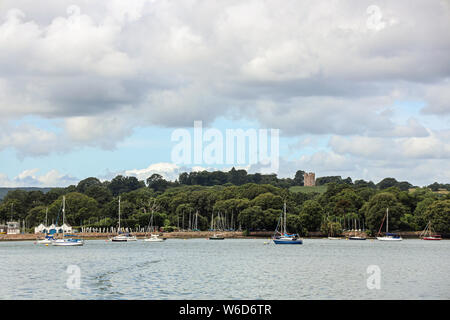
x=95, y=88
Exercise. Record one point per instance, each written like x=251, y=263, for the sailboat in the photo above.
x=69, y=241
x=216, y=236
x=427, y=233
x=47, y=240
x=388, y=236
x=122, y=237
x=282, y=237
x=355, y=237
x=48, y=236
x=153, y=237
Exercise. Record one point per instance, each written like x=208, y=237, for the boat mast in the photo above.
x=64, y=213
x=119, y=215
x=196, y=220
x=387, y=220
x=284, y=222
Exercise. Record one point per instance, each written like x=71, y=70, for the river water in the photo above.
x=228, y=269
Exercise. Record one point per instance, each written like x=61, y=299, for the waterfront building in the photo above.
x=58, y=229
x=13, y=227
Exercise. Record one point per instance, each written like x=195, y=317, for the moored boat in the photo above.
x=151, y=228
x=67, y=240
x=283, y=237
x=47, y=240
x=388, y=236
x=154, y=238
x=355, y=237
x=433, y=237
x=122, y=236
x=427, y=233
x=216, y=236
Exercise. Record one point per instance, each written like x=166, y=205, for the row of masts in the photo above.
x=349, y=224
x=192, y=224
x=223, y=222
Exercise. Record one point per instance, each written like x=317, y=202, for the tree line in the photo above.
x=235, y=200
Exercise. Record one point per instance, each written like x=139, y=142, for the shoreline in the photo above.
x=197, y=235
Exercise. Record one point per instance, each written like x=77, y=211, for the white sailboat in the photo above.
x=216, y=236
x=122, y=237
x=69, y=241
x=153, y=237
x=48, y=237
x=388, y=236
x=355, y=237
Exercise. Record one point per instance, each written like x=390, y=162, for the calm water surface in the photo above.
x=229, y=269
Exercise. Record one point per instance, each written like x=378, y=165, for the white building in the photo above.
x=13, y=227
x=59, y=229
x=40, y=229
x=66, y=228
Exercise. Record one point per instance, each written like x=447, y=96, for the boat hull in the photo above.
x=356, y=238
x=44, y=241
x=123, y=240
x=279, y=241
x=432, y=238
x=218, y=238
x=67, y=243
x=389, y=239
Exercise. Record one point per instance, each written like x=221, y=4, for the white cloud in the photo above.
x=438, y=98
x=169, y=171
x=434, y=146
x=30, y=140
x=308, y=68
x=103, y=131
x=32, y=178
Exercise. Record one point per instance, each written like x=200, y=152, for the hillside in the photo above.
x=304, y=189
x=4, y=191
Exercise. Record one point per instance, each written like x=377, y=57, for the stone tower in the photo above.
x=309, y=179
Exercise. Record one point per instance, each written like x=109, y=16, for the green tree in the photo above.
x=99, y=192
x=376, y=210
x=311, y=215
x=83, y=185
x=299, y=178
x=268, y=201
x=157, y=182
x=439, y=215
x=121, y=184
x=386, y=183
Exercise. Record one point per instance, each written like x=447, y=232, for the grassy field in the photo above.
x=318, y=189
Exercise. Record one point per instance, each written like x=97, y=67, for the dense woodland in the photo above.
x=239, y=200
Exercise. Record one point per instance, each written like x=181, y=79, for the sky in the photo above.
x=356, y=88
